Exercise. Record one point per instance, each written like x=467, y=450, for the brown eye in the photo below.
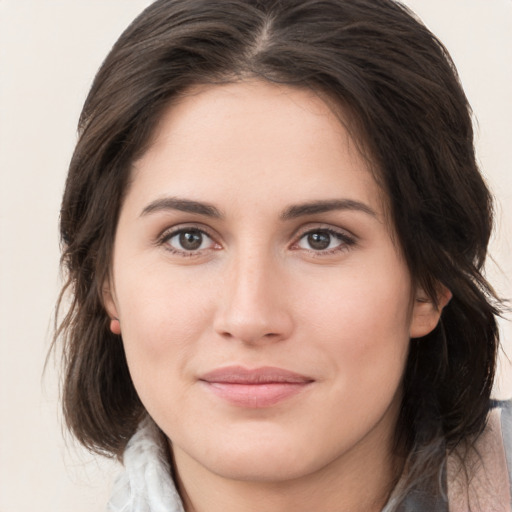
x=319, y=241
x=189, y=240
x=325, y=240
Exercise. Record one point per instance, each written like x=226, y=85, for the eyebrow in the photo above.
x=324, y=206
x=182, y=205
x=292, y=212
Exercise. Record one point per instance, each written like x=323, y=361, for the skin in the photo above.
x=258, y=292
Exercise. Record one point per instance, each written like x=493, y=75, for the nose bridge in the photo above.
x=253, y=306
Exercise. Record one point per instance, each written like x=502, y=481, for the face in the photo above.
x=264, y=308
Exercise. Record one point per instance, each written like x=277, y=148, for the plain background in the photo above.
x=49, y=52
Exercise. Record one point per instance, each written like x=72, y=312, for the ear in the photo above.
x=109, y=302
x=425, y=314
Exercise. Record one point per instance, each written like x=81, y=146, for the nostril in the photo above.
x=249, y=333
x=252, y=313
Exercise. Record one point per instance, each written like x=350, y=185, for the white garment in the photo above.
x=146, y=484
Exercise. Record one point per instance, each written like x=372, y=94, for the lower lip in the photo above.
x=256, y=395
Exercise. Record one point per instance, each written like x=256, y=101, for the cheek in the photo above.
x=162, y=323
x=363, y=297
x=362, y=320
x=163, y=315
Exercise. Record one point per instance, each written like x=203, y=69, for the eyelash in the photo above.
x=346, y=241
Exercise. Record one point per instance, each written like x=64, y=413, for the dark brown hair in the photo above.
x=378, y=62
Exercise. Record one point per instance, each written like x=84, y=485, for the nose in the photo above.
x=253, y=307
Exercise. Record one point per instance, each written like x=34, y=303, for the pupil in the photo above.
x=191, y=240
x=319, y=241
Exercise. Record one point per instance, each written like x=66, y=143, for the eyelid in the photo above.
x=322, y=226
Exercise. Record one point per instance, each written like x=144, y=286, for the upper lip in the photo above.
x=262, y=375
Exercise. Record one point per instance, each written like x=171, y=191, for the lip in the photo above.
x=254, y=388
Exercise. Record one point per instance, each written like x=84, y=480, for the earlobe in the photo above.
x=426, y=314
x=111, y=308
x=115, y=326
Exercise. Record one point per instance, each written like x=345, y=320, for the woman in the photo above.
x=274, y=229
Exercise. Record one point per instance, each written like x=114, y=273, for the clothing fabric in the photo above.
x=146, y=483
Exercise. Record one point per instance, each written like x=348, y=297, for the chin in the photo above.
x=271, y=458
x=261, y=467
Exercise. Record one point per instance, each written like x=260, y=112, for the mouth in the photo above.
x=254, y=388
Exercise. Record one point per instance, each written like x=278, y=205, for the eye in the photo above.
x=189, y=240
x=321, y=240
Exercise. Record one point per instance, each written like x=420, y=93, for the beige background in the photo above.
x=49, y=52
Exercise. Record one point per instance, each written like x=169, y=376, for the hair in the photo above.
x=398, y=84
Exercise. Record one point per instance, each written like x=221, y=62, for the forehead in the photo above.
x=250, y=138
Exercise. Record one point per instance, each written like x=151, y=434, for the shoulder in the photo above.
x=479, y=477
